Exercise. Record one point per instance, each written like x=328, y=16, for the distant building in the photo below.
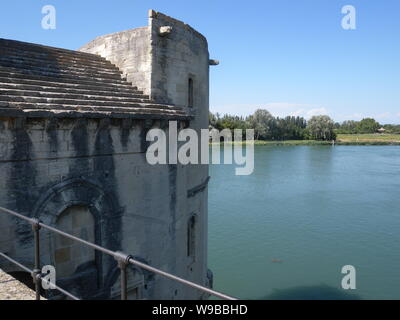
x=73, y=130
x=381, y=130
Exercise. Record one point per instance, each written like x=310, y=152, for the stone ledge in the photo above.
x=12, y=289
x=72, y=114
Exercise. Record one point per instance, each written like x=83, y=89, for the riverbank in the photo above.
x=342, y=139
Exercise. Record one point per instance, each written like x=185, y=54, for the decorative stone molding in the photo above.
x=104, y=208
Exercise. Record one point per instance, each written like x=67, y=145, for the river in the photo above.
x=286, y=231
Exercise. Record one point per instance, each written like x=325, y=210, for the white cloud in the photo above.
x=353, y=116
x=316, y=112
x=298, y=113
x=283, y=105
x=308, y=113
x=279, y=109
x=384, y=115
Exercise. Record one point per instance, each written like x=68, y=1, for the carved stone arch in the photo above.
x=74, y=190
x=101, y=204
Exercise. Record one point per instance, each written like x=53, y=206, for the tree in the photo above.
x=392, y=128
x=288, y=128
x=212, y=120
x=261, y=121
x=367, y=125
x=266, y=126
x=321, y=128
x=348, y=126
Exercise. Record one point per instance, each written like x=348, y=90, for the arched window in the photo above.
x=69, y=254
x=190, y=93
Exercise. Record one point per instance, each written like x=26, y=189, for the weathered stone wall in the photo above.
x=130, y=51
x=177, y=53
x=91, y=175
x=48, y=166
x=177, y=56
x=160, y=59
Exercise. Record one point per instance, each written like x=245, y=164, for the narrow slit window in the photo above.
x=190, y=93
x=191, y=237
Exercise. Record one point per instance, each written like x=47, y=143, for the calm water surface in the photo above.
x=314, y=209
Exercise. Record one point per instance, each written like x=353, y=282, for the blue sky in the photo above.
x=288, y=56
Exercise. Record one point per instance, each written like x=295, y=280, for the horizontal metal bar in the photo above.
x=92, y=245
x=26, y=269
x=178, y=279
x=16, y=214
x=70, y=295
x=117, y=255
x=67, y=235
x=16, y=263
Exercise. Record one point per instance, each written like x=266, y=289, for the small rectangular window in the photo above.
x=191, y=236
x=190, y=93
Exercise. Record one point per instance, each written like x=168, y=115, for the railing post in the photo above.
x=36, y=271
x=123, y=261
x=124, y=283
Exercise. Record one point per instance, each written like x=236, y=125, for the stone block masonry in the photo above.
x=73, y=140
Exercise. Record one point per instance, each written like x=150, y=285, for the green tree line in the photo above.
x=322, y=127
x=367, y=125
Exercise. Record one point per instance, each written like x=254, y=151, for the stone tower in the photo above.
x=73, y=130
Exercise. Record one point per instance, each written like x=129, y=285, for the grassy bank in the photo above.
x=342, y=139
x=286, y=143
x=371, y=139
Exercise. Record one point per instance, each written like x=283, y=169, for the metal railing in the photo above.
x=123, y=261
